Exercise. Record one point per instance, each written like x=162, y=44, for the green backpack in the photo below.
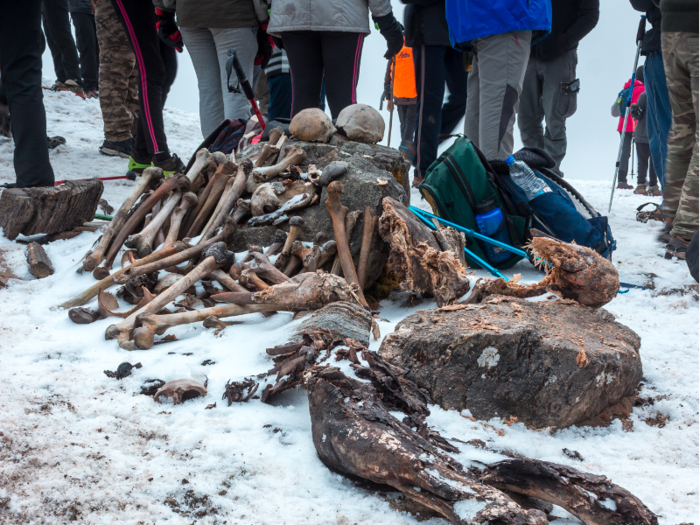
x=460, y=185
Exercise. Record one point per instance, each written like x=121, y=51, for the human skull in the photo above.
x=361, y=123
x=312, y=125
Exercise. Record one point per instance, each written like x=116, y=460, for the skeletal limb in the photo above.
x=189, y=200
x=264, y=174
x=143, y=241
x=218, y=184
x=110, y=280
x=338, y=212
x=95, y=258
x=214, y=257
x=370, y=224
x=229, y=198
x=350, y=222
x=149, y=324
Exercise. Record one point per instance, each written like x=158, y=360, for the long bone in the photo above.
x=296, y=225
x=320, y=257
x=226, y=281
x=252, y=280
x=370, y=224
x=277, y=243
x=189, y=200
x=265, y=153
x=350, y=222
x=229, y=198
x=263, y=174
x=218, y=185
x=263, y=267
x=338, y=211
x=143, y=241
x=147, y=179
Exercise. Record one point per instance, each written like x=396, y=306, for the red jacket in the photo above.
x=638, y=90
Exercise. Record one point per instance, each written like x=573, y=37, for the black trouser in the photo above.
x=643, y=157
x=60, y=40
x=20, y=66
x=169, y=56
x=625, y=159
x=313, y=54
x=443, y=65
x=86, y=37
x=139, y=20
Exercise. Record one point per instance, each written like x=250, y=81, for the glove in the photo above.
x=392, y=32
x=637, y=112
x=167, y=29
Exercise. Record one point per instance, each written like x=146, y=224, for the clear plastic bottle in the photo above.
x=526, y=179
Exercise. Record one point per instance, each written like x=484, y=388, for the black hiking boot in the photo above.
x=676, y=248
x=120, y=148
x=169, y=165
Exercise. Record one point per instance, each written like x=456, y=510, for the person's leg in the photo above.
x=653, y=180
x=55, y=52
x=306, y=63
x=58, y=21
x=624, y=161
x=658, y=111
x=86, y=40
x=642, y=161
x=280, y=96
x=411, y=115
x=430, y=86
x=341, y=63
x=530, y=110
x=117, y=75
x=456, y=79
x=169, y=56
x=471, y=120
x=243, y=41
x=20, y=67
x=139, y=20
x=262, y=93
x=503, y=60
x=558, y=106
x=681, y=189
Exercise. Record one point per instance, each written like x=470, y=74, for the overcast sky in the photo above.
x=606, y=58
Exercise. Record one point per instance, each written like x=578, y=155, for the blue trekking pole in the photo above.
x=469, y=253
x=640, y=38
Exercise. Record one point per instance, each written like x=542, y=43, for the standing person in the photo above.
x=400, y=91
x=679, y=43
x=209, y=30
x=499, y=33
x=325, y=38
x=550, y=85
x=618, y=110
x=20, y=67
x=118, y=83
x=641, y=140
x=436, y=64
x=63, y=51
x=150, y=143
x=81, y=13
x=279, y=80
x=658, y=103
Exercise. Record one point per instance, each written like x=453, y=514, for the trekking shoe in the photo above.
x=641, y=189
x=54, y=142
x=676, y=248
x=120, y=148
x=417, y=181
x=138, y=163
x=171, y=165
x=73, y=86
x=58, y=86
x=408, y=150
x=624, y=186
x=654, y=191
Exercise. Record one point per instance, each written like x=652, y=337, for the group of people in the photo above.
x=497, y=60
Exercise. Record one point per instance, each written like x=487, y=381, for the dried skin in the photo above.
x=308, y=291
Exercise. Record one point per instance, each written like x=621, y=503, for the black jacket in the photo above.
x=652, y=38
x=679, y=15
x=571, y=21
x=425, y=23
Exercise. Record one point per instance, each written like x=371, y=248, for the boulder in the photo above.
x=361, y=123
x=368, y=165
x=545, y=364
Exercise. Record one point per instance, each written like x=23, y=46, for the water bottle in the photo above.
x=526, y=179
x=489, y=221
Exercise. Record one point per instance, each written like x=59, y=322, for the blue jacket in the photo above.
x=472, y=19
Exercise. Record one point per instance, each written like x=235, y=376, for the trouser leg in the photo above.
x=58, y=68
x=642, y=162
x=429, y=63
x=502, y=61
x=530, y=110
x=56, y=18
x=262, y=93
x=280, y=96
x=681, y=190
x=408, y=122
x=456, y=80
x=244, y=42
x=86, y=40
x=169, y=56
x=341, y=64
x=624, y=161
x=471, y=119
x=306, y=64
x=118, y=75
x=139, y=20
x=20, y=67
x=658, y=112
x=558, y=106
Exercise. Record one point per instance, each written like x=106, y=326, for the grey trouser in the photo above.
x=541, y=99
x=209, y=51
x=407, y=118
x=494, y=85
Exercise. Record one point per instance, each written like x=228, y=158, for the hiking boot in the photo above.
x=654, y=191
x=417, y=181
x=54, y=142
x=171, y=165
x=73, y=86
x=120, y=148
x=138, y=163
x=408, y=150
x=676, y=248
x=641, y=189
x=58, y=86
x=624, y=186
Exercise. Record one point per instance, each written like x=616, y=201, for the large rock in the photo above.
x=367, y=164
x=546, y=364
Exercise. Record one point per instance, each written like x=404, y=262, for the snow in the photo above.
x=76, y=445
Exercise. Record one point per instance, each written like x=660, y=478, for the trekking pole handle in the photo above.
x=642, y=28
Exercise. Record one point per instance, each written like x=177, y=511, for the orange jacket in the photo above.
x=405, y=82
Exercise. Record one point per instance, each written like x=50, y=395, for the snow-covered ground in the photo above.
x=78, y=446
